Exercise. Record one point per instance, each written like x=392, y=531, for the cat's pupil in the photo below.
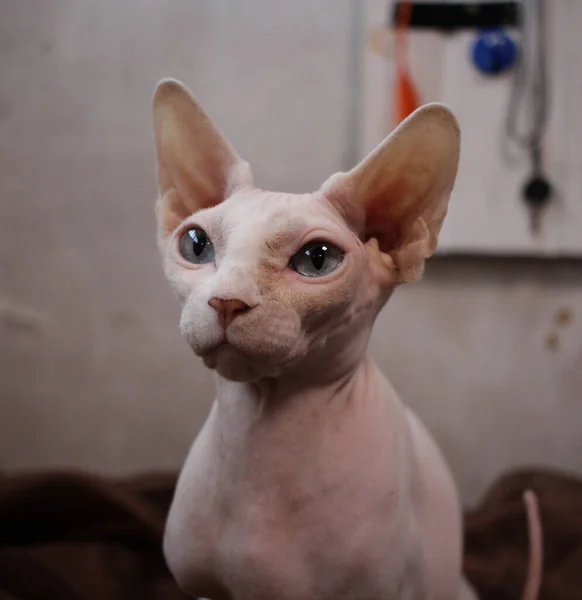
x=199, y=241
x=317, y=256
x=316, y=259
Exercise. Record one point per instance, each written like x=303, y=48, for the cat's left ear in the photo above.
x=196, y=165
x=399, y=193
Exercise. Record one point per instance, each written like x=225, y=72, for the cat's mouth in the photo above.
x=233, y=348
x=211, y=351
x=235, y=364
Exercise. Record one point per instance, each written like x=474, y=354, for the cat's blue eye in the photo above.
x=196, y=247
x=316, y=259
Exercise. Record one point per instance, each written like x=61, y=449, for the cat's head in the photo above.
x=273, y=283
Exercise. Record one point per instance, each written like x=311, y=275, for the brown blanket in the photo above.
x=496, y=542
x=72, y=536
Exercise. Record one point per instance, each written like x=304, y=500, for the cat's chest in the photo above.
x=261, y=548
x=254, y=514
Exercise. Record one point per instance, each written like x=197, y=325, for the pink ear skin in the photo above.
x=399, y=193
x=196, y=165
x=171, y=211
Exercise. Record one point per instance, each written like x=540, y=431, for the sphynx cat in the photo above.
x=310, y=479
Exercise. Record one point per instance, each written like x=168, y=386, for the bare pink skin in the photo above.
x=310, y=480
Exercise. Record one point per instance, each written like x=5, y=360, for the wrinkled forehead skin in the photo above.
x=256, y=225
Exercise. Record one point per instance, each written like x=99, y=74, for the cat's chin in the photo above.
x=235, y=365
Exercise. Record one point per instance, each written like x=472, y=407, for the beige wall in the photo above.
x=92, y=370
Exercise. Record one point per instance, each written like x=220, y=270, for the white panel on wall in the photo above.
x=487, y=213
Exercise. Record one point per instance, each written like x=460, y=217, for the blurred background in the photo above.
x=487, y=349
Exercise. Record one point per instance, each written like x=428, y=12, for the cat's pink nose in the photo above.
x=228, y=309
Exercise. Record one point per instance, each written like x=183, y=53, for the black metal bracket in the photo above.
x=449, y=17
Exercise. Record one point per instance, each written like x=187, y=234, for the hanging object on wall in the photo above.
x=449, y=16
x=494, y=52
x=406, y=96
x=532, y=94
x=493, y=210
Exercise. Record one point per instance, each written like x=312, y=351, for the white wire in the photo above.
x=531, y=64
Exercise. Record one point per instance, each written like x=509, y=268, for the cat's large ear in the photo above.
x=196, y=166
x=400, y=192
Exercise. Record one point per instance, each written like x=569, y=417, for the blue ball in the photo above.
x=494, y=51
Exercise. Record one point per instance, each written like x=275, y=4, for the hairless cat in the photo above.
x=310, y=479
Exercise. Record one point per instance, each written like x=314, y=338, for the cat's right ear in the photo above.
x=196, y=165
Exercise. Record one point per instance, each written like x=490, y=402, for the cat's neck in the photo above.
x=270, y=394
